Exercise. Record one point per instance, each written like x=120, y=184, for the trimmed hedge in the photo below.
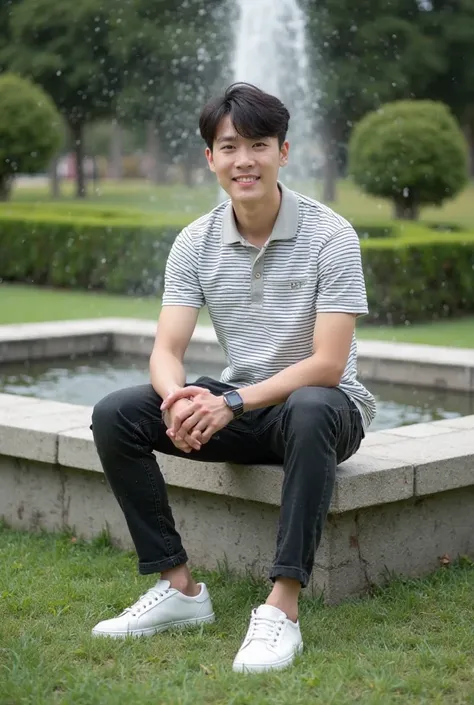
x=419, y=277
x=413, y=275
x=85, y=254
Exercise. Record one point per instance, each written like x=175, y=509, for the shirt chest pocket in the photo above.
x=292, y=294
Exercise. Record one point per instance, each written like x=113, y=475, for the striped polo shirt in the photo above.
x=263, y=302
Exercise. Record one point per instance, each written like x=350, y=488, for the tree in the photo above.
x=450, y=23
x=412, y=152
x=64, y=47
x=364, y=55
x=30, y=129
x=174, y=52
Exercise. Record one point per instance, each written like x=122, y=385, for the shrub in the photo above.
x=365, y=231
x=85, y=253
x=422, y=276
x=30, y=129
x=412, y=152
x=415, y=275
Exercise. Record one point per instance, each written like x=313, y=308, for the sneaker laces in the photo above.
x=264, y=628
x=151, y=596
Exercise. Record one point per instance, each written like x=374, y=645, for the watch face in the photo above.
x=234, y=398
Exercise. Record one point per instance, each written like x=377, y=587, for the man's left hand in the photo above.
x=206, y=413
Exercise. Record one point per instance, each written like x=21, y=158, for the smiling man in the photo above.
x=281, y=276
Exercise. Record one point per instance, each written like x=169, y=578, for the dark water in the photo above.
x=85, y=380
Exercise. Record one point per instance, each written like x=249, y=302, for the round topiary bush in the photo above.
x=412, y=152
x=30, y=129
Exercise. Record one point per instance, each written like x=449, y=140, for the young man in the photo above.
x=282, y=278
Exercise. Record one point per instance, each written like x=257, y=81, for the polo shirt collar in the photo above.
x=285, y=226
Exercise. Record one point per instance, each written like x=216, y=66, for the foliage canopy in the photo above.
x=412, y=152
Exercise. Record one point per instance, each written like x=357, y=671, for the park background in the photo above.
x=101, y=165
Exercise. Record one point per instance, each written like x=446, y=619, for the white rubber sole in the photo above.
x=239, y=667
x=149, y=631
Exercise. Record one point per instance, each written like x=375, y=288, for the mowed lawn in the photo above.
x=27, y=304
x=409, y=643
x=193, y=202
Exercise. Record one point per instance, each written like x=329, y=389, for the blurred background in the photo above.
x=129, y=77
x=101, y=162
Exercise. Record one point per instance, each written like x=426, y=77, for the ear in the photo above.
x=284, y=151
x=210, y=159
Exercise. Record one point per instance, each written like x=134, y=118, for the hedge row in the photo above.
x=85, y=255
x=415, y=274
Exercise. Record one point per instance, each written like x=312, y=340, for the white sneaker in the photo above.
x=272, y=641
x=162, y=607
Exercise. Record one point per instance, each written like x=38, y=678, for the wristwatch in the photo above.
x=235, y=402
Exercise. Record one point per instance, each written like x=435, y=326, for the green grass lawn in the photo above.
x=411, y=642
x=457, y=333
x=192, y=202
x=30, y=304
x=26, y=304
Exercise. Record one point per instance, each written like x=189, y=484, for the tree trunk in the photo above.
x=330, y=170
x=77, y=131
x=188, y=174
x=469, y=130
x=330, y=176
x=406, y=210
x=54, y=179
x=5, y=188
x=116, y=151
x=95, y=173
x=153, y=148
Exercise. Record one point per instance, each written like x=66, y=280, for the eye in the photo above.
x=260, y=144
x=227, y=147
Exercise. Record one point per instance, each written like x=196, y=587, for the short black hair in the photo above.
x=253, y=112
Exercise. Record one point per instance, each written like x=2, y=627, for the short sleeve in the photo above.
x=341, y=284
x=182, y=287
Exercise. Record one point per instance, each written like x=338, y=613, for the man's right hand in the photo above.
x=191, y=441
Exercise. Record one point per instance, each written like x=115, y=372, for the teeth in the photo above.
x=246, y=180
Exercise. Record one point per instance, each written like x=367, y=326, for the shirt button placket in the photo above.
x=257, y=281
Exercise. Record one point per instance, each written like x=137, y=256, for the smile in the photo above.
x=246, y=179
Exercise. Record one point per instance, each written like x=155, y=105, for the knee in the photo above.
x=308, y=405
x=105, y=414
x=115, y=411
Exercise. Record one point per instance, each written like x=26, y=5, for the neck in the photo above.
x=255, y=221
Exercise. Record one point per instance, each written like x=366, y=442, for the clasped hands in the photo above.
x=193, y=415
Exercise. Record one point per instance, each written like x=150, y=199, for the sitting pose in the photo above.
x=281, y=276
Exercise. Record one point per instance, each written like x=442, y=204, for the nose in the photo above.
x=244, y=158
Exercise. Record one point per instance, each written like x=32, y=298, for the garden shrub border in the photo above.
x=429, y=275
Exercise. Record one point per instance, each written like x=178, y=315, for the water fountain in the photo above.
x=270, y=51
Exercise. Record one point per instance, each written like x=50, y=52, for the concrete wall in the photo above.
x=404, y=500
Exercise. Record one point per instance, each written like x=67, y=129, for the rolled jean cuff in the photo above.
x=165, y=564
x=282, y=571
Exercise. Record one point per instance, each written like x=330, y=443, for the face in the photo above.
x=246, y=168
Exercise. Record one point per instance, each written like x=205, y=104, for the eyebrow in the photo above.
x=227, y=138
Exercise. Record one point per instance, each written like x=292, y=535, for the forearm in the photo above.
x=166, y=372
x=311, y=372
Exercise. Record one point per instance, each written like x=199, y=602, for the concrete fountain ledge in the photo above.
x=403, y=501
x=420, y=365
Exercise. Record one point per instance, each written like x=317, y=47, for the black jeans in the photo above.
x=313, y=431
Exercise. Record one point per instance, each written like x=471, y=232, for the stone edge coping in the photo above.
x=409, y=461
x=367, y=349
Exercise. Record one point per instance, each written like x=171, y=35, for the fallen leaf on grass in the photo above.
x=207, y=671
